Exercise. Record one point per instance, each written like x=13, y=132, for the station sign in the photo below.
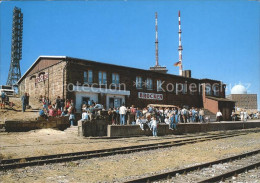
x=151, y=96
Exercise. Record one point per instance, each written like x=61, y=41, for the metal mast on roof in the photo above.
x=156, y=42
x=180, y=46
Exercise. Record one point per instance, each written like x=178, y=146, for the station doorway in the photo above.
x=115, y=102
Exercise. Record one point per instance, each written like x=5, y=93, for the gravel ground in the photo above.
x=252, y=176
x=205, y=173
x=50, y=141
x=119, y=168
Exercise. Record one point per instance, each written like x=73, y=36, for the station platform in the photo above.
x=182, y=128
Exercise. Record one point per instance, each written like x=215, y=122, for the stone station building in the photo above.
x=112, y=85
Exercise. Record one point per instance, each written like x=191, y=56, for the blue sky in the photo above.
x=220, y=38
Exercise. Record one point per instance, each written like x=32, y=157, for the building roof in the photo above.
x=78, y=59
x=220, y=99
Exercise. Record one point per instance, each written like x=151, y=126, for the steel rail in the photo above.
x=226, y=175
x=168, y=175
x=57, y=158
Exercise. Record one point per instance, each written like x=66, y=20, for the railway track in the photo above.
x=236, y=164
x=57, y=158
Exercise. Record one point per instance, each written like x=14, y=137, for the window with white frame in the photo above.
x=102, y=77
x=149, y=84
x=115, y=78
x=159, y=85
x=88, y=76
x=138, y=82
x=216, y=90
x=208, y=90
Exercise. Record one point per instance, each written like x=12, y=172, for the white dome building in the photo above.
x=238, y=89
x=242, y=99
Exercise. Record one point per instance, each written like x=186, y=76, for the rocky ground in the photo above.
x=15, y=112
x=119, y=168
x=50, y=141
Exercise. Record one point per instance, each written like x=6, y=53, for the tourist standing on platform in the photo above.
x=184, y=112
x=110, y=116
x=161, y=115
x=242, y=115
x=172, y=119
x=91, y=112
x=132, y=114
x=219, y=116
x=62, y=104
x=114, y=117
x=122, y=112
x=190, y=115
x=245, y=116
x=150, y=109
x=196, y=115
x=138, y=113
x=175, y=114
x=72, y=118
x=24, y=102
x=201, y=115
x=84, y=115
x=154, y=124
x=178, y=119
x=193, y=114
x=58, y=103
x=233, y=115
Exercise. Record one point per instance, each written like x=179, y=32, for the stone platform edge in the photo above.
x=163, y=129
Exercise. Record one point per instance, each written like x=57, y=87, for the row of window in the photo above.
x=148, y=83
x=102, y=77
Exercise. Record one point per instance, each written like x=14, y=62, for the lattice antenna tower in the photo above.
x=16, y=50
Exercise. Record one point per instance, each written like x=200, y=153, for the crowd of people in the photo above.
x=147, y=118
x=59, y=107
x=150, y=117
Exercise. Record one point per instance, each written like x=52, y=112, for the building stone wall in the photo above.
x=51, y=87
x=245, y=101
